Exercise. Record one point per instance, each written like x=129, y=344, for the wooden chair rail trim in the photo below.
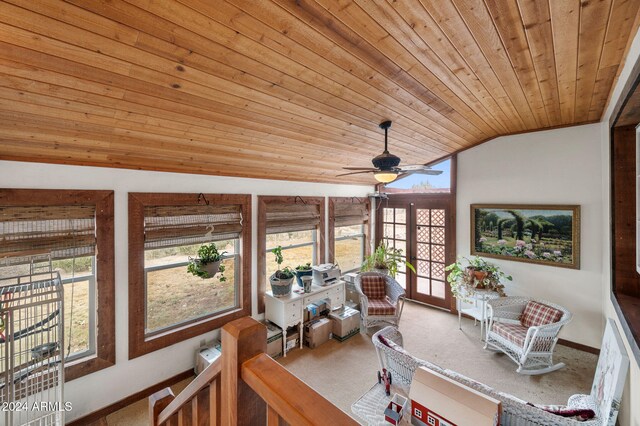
x=292, y=399
x=204, y=379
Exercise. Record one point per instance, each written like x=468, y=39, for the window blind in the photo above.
x=292, y=217
x=347, y=214
x=171, y=226
x=61, y=232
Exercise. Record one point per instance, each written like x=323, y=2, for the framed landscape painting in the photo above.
x=544, y=234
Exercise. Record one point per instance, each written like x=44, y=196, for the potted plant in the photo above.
x=301, y=271
x=477, y=273
x=207, y=264
x=282, y=279
x=385, y=260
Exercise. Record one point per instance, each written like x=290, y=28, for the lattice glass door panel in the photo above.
x=430, y=252
x=394, y=233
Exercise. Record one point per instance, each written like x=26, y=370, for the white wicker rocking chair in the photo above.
x=393, y=299
x=530, y=346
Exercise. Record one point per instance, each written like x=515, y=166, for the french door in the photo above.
x=422, y=227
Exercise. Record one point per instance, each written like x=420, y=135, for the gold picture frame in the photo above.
x=545, y=234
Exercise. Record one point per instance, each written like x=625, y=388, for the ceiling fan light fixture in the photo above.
x=385, y=176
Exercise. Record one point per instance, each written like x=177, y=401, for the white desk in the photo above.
x=289, y=310
x=478, y=309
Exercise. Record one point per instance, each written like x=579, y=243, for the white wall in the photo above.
x=630, y=407
x=559, y=166
x=107, y=386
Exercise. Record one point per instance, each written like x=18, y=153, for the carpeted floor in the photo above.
x=342, y=372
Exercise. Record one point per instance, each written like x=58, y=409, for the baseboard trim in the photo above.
x=579, y=346
x=145, y=393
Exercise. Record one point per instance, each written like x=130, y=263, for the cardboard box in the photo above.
x=274, y=340
x=345, y=323
x=293, y=341
x=315, y=310
x=352, y=295
x=317, y=332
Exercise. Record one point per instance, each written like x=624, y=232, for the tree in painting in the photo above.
x=539, y=235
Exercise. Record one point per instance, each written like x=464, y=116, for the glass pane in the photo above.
x=437, y=271
x=66, y=267
x=402, y=279
x=76, y=317
x=169, y=255
x=348, y=253
x=401, y=215
x=423, y=251
x=292, y=257
x=173, y=295
x=437, y=217
x=437, y=289
x=401, y=245
x=426, y=184
x=423, y=286
x=423, y=268
x=388, y=230
x=437, y=235
x=343, y=231
x=387, y=214
x=423, y=234
x=437, y=253
x=401, y=232
x=423, y=217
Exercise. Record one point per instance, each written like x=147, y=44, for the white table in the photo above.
x=288, y=311
x=478, y=310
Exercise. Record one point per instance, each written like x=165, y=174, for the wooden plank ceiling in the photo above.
x=295, y=89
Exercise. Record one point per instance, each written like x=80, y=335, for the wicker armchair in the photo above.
x=527, y=331
x=381, y=299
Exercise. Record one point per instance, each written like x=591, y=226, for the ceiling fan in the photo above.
x=386, y=165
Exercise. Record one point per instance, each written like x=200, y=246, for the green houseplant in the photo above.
x=301, y=271
x=282, y=279
x=385, y=260
x=207, y=264
x=477, y=273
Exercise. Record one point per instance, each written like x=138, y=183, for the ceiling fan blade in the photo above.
x=360, y=168
x=421, y=172
x=355, y=173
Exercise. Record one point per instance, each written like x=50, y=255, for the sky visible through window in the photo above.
x=439, y=181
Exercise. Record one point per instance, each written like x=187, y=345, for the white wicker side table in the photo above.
x=478, y=310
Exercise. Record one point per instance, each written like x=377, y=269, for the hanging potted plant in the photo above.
x=302, y=271
x=207, y=264
x=477, y=273
x=385, y=260
x=282, y=279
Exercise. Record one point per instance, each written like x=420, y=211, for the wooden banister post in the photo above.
x=158, y=402
x=242, y=339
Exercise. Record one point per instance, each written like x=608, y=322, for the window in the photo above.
x=348, y=232
x=167, y=303
x=423, y=183
x=71, y=231
x=294, y=223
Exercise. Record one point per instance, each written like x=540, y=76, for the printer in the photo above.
x=325, y=274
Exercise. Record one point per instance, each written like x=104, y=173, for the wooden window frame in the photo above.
x=139, y=342
x=333, y=201
x=263, y=202
x=105, y=355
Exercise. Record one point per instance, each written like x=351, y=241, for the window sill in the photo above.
x=628, y=310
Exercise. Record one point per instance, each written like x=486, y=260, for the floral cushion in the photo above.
x=380, y=307
x=374, y=287
x=579, y=414
x=536, y=314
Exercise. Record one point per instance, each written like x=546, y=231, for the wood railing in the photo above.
x=244, y=386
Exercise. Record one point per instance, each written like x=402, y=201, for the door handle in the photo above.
x=413, y=258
